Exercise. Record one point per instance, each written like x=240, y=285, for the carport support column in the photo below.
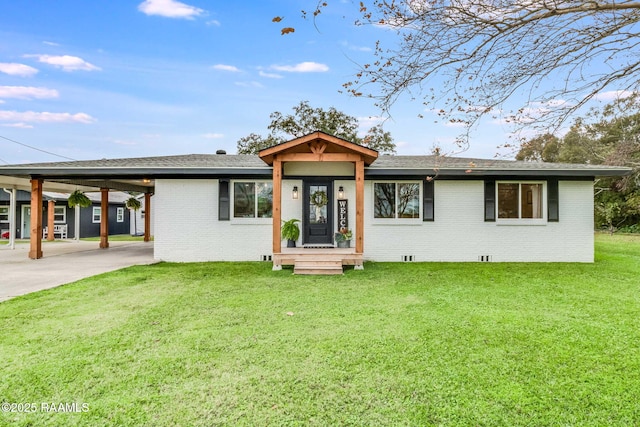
x=35, y=249
x=104, y=218
x=147, y=217
x=50, y=220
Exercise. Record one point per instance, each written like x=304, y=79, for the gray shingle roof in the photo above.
x=181, y=161
x=212, y=164
x=444, y=162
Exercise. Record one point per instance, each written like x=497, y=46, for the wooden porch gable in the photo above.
x=318, y=147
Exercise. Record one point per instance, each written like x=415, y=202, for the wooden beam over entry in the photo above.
x=319, y=157
x=104, y=218
x=35, y=238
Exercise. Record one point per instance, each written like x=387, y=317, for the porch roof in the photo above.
x=319, y=145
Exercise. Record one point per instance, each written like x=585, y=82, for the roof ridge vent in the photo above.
x=221, y=152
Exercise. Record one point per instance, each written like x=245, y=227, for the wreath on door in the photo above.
x=319, y=199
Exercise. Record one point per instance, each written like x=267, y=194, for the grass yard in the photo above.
x=397, y=344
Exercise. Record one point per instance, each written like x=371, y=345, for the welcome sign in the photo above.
x=343, y=214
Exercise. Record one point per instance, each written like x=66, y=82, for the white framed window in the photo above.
x=252, y=199
x=60, y=214
x=521, y=202
x=120, y=215
x=4, y=213
x=96, y=215
x=397, y=200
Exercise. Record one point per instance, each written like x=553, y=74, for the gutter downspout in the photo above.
x=12, y=217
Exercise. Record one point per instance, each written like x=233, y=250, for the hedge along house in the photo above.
x=400, y=208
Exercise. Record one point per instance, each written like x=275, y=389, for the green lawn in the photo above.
x=397, y=344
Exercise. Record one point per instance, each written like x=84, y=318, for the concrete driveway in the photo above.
x=64, y=262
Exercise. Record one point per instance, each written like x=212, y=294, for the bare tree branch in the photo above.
x=467, y=59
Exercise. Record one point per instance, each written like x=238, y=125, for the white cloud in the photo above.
x=455, y=124
x=356, y=48
x=366, y=123
x=214, y=22
x=213, y=135
x=223, y=67
x=249, y=84
x=44, y=117
x=303, y=67
x=270, y=75
x=25, y=92
x=169, y=9
x=18, y=125
x=14, y=69
x=66, y=62
x=51, y=43
x=613, y=95
x=124, y=142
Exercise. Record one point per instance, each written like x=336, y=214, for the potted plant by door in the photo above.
x=291, y=232
x=343, y=238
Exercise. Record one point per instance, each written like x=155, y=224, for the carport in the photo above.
x=66, y=177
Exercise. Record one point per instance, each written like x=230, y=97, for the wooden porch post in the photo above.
x=104, y=218
x=35, y=238
x=277, y=205
x=147, y=217
x=50, y=220
x=360, y=206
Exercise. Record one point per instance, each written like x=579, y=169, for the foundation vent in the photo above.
x=484, y=258
x=408, y=258
x=265, y=258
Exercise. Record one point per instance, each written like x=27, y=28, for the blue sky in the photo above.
x=132, y=78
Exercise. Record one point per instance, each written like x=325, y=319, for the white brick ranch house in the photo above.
x=219, y=207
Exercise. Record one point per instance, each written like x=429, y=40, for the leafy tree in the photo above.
x=467, y=58
x=608, y=136
x=306, y=120
x=541, y=148
x=253, y=143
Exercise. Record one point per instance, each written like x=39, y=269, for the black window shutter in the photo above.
x=489, y=200
x=553, y=201
x=427, y=201
x=223, y=200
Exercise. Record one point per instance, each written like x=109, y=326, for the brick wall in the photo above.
x=459, y=232
x=187, y=226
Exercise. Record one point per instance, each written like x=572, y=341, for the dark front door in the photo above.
x=318, y=212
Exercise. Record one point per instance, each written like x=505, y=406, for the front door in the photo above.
x=318, y=212
x=25, y=230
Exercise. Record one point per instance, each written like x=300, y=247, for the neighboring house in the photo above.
x=64, y=216
x=137, y=218
x=400, y=208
